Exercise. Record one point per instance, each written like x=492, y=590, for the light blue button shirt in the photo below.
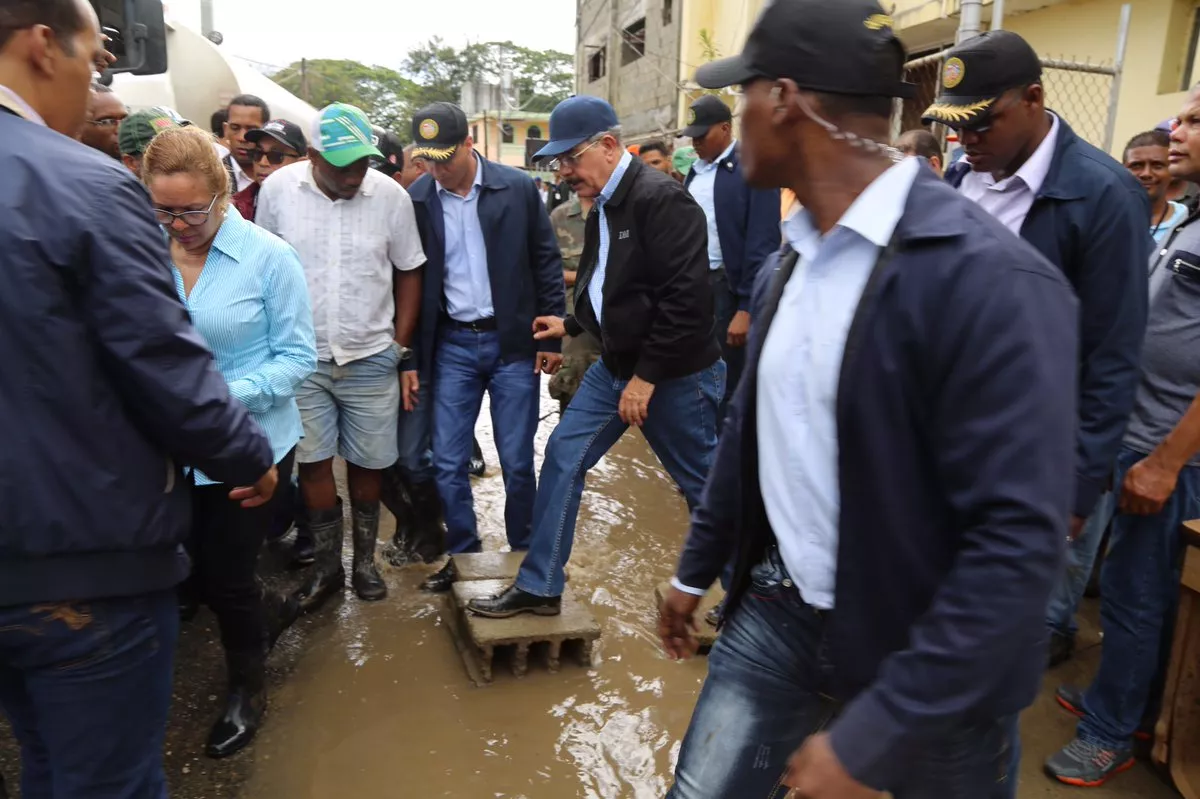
x=596, y=284
x=467, y=284
x=798, y=375
x=703, y=189
x=251, y=305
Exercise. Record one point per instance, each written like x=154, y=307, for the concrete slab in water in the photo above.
x=706, y=634
x=479, y=638
x=488, y=565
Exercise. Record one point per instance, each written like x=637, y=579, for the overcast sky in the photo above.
x=377, y=31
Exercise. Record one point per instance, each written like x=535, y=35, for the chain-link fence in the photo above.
x=1085, y=94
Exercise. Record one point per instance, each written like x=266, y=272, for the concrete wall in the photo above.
x=645, y=91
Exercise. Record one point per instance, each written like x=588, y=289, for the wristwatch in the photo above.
x=405, y=352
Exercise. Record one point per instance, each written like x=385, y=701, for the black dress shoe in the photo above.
x=440, y=583
x=513, y=602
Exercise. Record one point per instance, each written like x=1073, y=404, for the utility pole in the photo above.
x=206, y=17
x=997, y=15
x=613, y=51
x=304, y=93
x=970, y=20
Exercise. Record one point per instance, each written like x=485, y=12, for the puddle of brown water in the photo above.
x=380, y=704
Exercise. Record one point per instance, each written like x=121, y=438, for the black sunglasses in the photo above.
x=274, y=157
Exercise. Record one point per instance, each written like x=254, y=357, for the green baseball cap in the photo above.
x=342, y=134
x=139, y=128
x=683, y=159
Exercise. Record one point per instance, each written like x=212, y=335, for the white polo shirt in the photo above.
x=349, y=249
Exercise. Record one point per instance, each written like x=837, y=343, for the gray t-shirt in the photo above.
x=1171, y=351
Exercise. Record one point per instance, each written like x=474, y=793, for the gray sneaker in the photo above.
x=1088, y=765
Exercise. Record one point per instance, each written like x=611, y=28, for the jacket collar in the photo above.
x=631, y=174
x=1061, y=183
x=922, y=218
x=424, y=189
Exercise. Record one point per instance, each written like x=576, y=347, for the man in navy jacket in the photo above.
x=743, y=228
x=1084, y=212
x=493, y=266
x=107, y=392
x=912, y=363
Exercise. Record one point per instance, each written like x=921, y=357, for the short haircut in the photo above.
x=218, y=120
x=1151, y=138
x=250, y=101
x=920, y=142
x=61, y=16
x=654, y=147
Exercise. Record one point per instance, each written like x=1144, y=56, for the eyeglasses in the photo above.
x=570, y=159
x=190, y=218
x=274, y=157
x=107, y=122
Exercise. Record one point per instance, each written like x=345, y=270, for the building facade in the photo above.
x=505, y=138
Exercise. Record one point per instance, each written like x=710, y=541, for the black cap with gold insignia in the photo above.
x=835, y=46
x=975, y=75
x=437, y=130
x=705, y=112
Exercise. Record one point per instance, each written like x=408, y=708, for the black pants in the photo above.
x=224, y=547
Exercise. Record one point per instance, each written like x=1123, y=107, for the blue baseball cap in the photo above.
x=574, y=121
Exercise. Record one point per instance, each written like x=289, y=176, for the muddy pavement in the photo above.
x=372, y=700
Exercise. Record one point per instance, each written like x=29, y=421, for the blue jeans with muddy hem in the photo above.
x=466, y=364
x=1139, y=591
x=768, y=689
x=87, y=688
x=681, y=427
x=1081, y=558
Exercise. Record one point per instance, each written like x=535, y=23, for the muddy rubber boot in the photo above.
x=303, y=551
x=244, y=704
x=428, y=541
x=397, y=498
x=365, y=578
x=329, y=576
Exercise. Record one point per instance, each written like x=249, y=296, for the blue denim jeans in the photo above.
x=87, y=688
x=724, y=307
x=414, y=436
x=1139, y=589
x=768, y=689
x=467, y=363
x=1081, y=557
x=681, y=428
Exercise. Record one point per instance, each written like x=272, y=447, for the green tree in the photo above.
x=388, y=98
x=541, y=78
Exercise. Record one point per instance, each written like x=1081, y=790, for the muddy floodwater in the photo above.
x=373, y=701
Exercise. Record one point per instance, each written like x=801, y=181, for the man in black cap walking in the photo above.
x=743, y=227
x=493, y=267
x=275, y=145
x=1085, y=213
x=894, y=473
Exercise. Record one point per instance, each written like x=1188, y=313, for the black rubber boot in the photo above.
x=365, y=578
x=329, y=576
x=428, y=541
x=396, y=496
x=244, y=705
x=303, y=551
x=281, y=613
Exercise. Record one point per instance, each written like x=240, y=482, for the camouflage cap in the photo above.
x=139, y=128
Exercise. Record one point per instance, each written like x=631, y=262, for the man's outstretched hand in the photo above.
x=677, y=624
x=547, y=327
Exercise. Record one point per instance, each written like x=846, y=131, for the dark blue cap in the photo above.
x=574, y=121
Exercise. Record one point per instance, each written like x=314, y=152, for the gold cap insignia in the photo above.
x=877, y=22
x=953, y=72
x=691, y=116
x=428, y=129
x=956, y=114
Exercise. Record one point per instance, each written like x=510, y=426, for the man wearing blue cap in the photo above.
x=642, y=289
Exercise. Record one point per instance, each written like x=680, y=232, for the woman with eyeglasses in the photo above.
x=246, y=293
x=276, y=144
